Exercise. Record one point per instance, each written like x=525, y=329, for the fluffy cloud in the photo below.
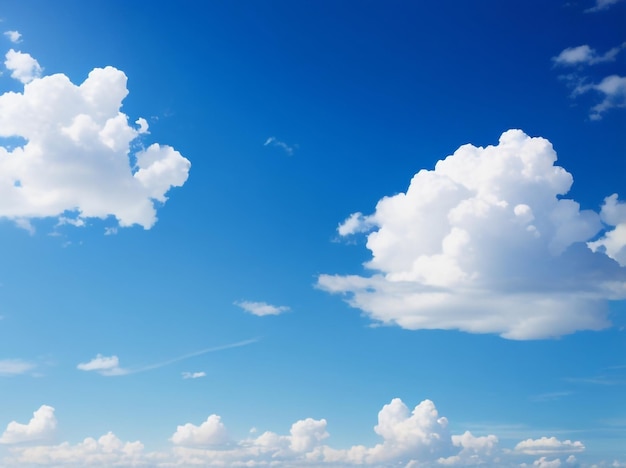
x=193, y=375
x=210, y=432
x=41, y=426
x=77, y=156
x=613, y=91
x=548, y=445
x=10, y=367
x=261, y=308
x=410, y=438
x=103, y=365
x=487, y=243
x=14, y=36
x=23, y=67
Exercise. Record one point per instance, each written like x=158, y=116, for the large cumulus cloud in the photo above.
x=487, y=242
x=67, y=148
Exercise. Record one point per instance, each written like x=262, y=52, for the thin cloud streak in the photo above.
x=109, y=366
x=158, y=365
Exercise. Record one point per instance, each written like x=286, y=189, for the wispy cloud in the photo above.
x=549, y=396
x=10, y=367
x=193, y=375
x=109, y=366
x=261, y=308
x=601, y=5
x=273, y=141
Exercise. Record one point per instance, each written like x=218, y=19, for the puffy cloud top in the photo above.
x=78, y=154
x=487, y=243
x=41, y=426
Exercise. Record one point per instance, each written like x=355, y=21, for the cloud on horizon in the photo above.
x=408, y=437
x=76, y=156
x=487, y=242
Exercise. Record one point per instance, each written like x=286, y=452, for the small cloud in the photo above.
x=193, y=375
x=23, y=67
x=103, y=365
x=273, y=141
x=261, y=308
x=110, y=231
x=143, y=125
x=355, y=223
x=14, y=36
x=10, y=367
x=585, y=55
x=601, y=5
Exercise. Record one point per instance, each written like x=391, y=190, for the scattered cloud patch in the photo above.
x=103, y=365
x=585, y=55
x=14, y=36
x=193, y=375
x=78, y=159
x=23, y=68
x=487, y=242
x=273, y=141
x=40, y=427
x=10, y=367
x=613, y=91
x=261, y=308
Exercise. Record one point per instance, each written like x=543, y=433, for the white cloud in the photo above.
x=613, y=90
x=193, y=375
x=103, y=365
x=14, y=36
x=106, y=451
x=548, y=445
x=210, y=432
x=23, y=67
x=261, y=308
x=40, y=427
x=410, y=438
x=613, y=242
x=273, y=141
x=78, y=159
x=353, y=224
x=601, y=5
x=585, y=55
x=10, y=367
x=486, y=243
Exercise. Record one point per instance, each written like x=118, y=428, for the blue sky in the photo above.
x=313, y=233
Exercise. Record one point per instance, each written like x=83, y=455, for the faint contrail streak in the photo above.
x=190, y=355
